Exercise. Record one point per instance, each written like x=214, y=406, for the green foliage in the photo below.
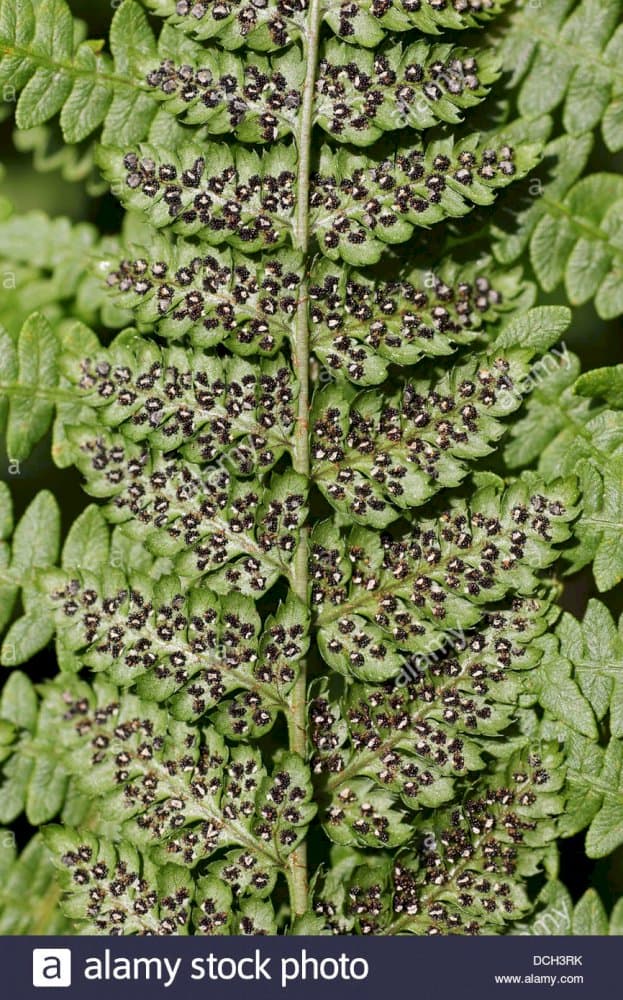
x=338, y=459
x=565, y=55
x=365, y=23
x=578, y=241
x=556, y=915
x=568, y=53
x=53, y=264
x=30, y=894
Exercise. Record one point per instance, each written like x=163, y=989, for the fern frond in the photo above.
x=376, y=596
x=569, y=54
x=357, y=204
x=190, y=400
x=375, y=456
x=463, y=872
x=29, y=376
x=358, y=326
x=43, y=55
x=563, y=160
x=595, y=796
x=416, y=740
x=594, y=647
x=236, y=22
x=242, y=535
x=180, y=792
x=578, y=241
x=195, y=651
x=556, y=915
x=29, y=890
x=30, y=781
x=34, y=542
x=358, y=95
x=53, y=262
x=586, y=440
x=113, y=889
x=297, y=612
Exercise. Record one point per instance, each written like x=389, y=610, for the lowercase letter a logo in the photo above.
x=51, y=967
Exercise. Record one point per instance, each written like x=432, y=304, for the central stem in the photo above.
x=297, y=716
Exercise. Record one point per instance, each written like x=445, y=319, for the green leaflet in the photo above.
x=210, y=522
x=376, y=456
x=358, y=326
x=414, y=740
x=595, y=782
x=462, y=872
x=221, y=297
x=29, y=366
x=247, y=200
x=239, y=23
x=563, y=161
x=594, y=648
x=29, y=894
x=436, y=578
x=43, y=55
x=584, y=439
x=259, y=99
x=32, y=780
x=52, y=261
x=119, y=889
x=179, y=790
x=206, y=407
x=556, y=915
x=34, y=543
x=191, y=651
x=569, y=53
x=579, y=242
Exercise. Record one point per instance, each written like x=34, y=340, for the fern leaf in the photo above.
x=416, y=740
x=215, y=912
x=562, y=163
x=29, y=893
x=259, y=99
x=358, y=326
x=578, y=242
x=377, y=456
x=34, y=783
x=595, y=797
x=223, y=297
x=569, y=53
x=595, y=648
x=463, y=873
x=32, y=543
x=587, y=441
x=112, y=888
x=202, y=513
x=29, y=368
x=43, y=55
x=53, y=261
x=192, y=651
x=201, y=795
x=556, y=915
x=357, y=204
x=236, y=23
x=209, y=408
x=419, y=586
